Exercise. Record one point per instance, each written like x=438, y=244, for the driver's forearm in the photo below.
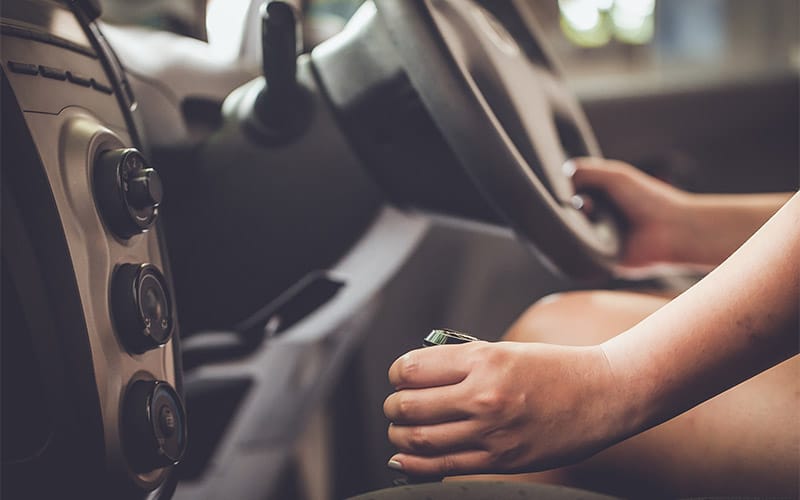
x=738, y=321
x=715, y=225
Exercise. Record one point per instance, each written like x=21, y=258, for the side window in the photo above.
x=623, y=45
x=184, y=17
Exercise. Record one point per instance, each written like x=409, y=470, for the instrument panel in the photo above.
x=83, y=256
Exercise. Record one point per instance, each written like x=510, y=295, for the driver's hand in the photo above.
x=500, y=407
x=653, y=209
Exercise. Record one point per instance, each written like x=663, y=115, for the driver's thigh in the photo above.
x=744, y=441
x=582, y=318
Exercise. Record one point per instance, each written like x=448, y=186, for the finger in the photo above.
x=430, y=367
x=595, y=173
x=426, y=406
x=439, y=439
x=583, y=202
x=463, y=462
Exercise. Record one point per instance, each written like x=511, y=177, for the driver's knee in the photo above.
x=582, y=317
x=547, y=319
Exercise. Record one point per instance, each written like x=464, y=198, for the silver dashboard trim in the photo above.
x=68, y=144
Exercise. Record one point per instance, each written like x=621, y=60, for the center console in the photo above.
x=91, y=395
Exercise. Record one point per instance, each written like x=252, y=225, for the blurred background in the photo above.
x=604, y=46
x=621, y=46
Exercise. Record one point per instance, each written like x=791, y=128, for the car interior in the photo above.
x=222, y=220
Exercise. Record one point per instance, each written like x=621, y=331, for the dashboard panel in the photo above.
x=96, y=302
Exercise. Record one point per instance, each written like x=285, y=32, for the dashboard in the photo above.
x=90, y=357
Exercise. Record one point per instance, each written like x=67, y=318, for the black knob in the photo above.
x=153, y=425
x=141, y=307
x=145, y=190
x=127, y=190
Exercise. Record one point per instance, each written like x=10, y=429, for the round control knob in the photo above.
x=127, y=190
x=153, y=425
x=141, y=307
x=145, y=190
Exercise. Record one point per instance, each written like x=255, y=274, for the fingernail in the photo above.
x=394, y=464
x=568, y=168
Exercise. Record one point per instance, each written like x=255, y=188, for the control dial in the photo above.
x=153, y=425
x=141, y=307
x=128, y=191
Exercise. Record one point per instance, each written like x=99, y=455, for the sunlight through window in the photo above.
x=592, y=23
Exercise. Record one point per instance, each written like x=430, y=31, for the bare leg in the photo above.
x=745, y=441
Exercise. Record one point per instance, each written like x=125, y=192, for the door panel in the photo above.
x=731, y=137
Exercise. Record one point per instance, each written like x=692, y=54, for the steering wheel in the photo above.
x=483, y=73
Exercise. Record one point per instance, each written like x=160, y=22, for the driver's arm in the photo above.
x=504, y=407
x=736, y=322
x=717, y=224
x=670, y=225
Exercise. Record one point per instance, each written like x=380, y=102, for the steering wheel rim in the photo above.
x=506, y=113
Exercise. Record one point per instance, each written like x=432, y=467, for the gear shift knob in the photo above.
x=442, y=336
x=438, y=336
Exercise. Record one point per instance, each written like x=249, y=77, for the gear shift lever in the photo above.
x=439, y=336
